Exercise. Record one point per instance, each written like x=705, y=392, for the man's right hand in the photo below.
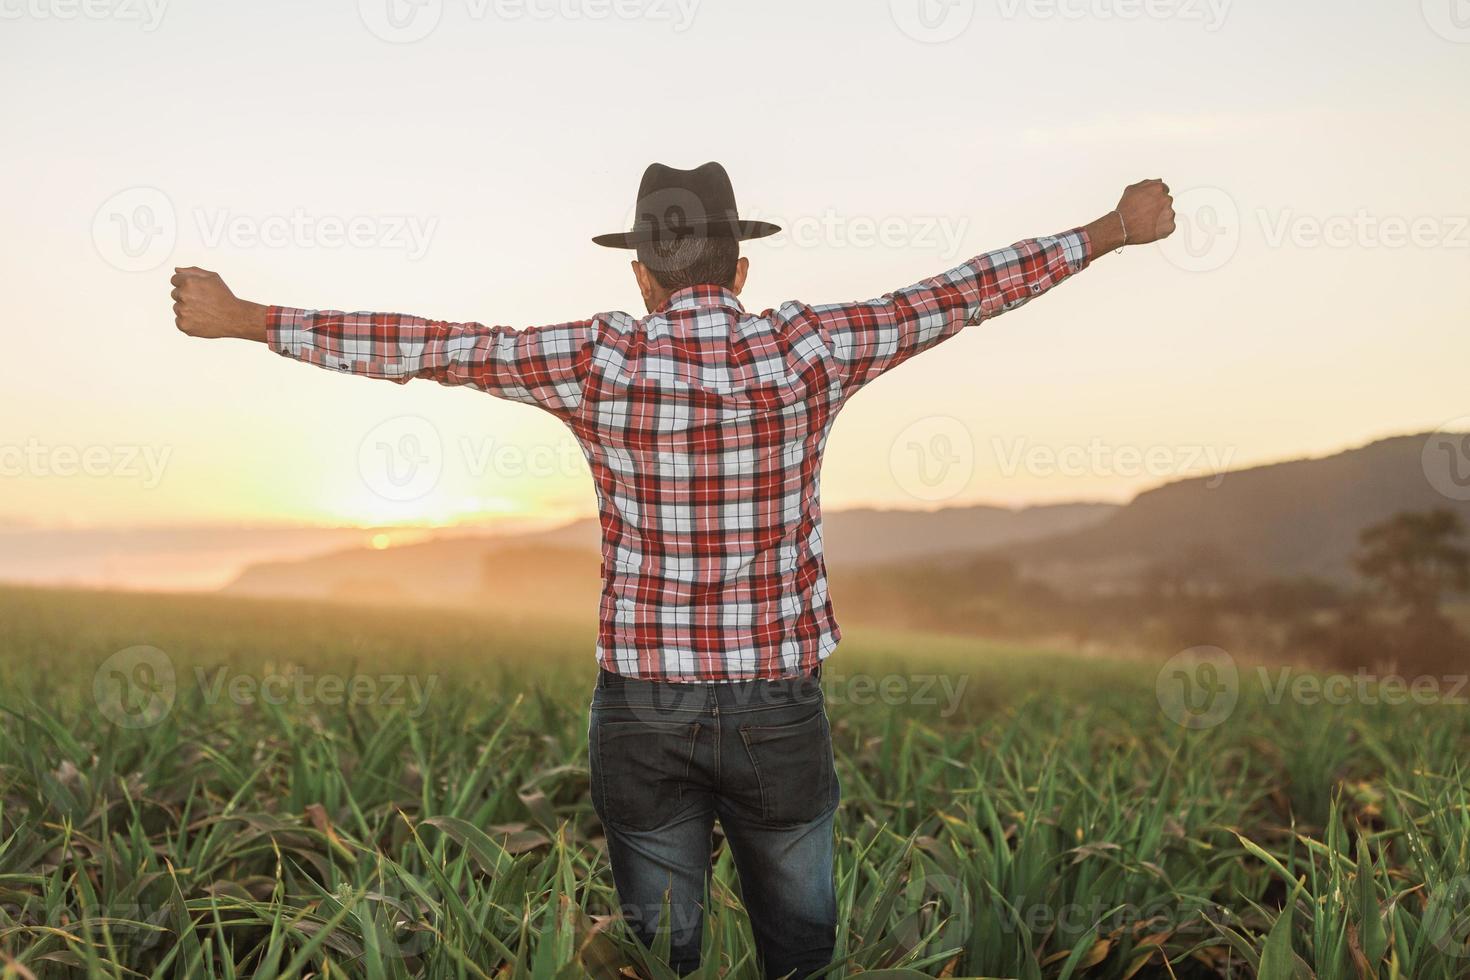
x=1147, y=210
x=205, y=307
x=1145, y=214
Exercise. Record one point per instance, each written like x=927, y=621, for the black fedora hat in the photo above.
x=678, y=204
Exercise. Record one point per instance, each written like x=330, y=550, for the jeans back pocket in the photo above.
x=793, y=767
x=640, y=768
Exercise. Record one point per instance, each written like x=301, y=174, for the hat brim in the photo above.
x=743, y=231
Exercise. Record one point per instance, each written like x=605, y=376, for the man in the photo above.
x=704, y=426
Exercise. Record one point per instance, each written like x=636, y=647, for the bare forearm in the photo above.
x=251, y=322
x=1105, y=234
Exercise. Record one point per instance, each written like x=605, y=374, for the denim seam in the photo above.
x=755, y=766
x=781, y=728
x=724, y=709
x=773, y=703
x=612, y=705
x=601, y=774
x=688, y=764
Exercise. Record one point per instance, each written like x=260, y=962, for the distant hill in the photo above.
x=1282, y=520
x=551, y=569
x=172, y=558
x=868, y=535
x=453, y=571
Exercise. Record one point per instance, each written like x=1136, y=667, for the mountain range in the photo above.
x=548, y=568
x=1283, y=520
x=1287, y=520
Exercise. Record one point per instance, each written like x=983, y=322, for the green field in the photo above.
x=341, y=792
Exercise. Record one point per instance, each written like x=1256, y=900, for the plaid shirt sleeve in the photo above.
x=871, y=337
x=543, y=366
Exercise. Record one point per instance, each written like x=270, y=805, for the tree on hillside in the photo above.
x=1416, y=559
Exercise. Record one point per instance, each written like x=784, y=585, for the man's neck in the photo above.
x=661, y=301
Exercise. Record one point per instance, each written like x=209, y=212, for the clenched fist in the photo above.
x=1147, y=211
x=205, y=307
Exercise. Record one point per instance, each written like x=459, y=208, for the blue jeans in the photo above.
x=667, y=759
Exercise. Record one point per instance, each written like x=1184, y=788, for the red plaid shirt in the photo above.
x=704, y=426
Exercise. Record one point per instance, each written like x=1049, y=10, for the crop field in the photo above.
x=208, y=787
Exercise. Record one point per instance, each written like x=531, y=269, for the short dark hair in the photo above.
x=678, y=263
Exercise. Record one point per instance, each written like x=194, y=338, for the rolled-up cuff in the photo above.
x=286, y=330
x=1077, y=248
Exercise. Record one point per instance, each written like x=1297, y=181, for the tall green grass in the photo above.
x=1050, y=822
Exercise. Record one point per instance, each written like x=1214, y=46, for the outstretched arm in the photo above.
x=539, y=365
x=872, y=337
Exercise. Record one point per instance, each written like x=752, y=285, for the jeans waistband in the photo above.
x=607, y=680
x=801, y=687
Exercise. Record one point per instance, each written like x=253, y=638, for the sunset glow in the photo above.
x=1238, y=343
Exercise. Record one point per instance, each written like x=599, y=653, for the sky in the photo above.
x=452, y=159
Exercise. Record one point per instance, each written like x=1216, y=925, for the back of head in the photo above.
x=678, y=263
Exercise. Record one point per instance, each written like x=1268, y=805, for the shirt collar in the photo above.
x=694, y=297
